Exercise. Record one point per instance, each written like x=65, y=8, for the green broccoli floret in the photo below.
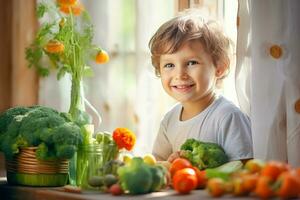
x=204, y=154
x=135, y=177
x=65, y=151
x=66, y=138
x=67, y=133
x=8, y=116
x=42, y=151
x=11, y=146
x=54, y=133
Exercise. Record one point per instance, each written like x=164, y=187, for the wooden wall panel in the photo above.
x=24, y=80
x=5, y=54
x=18, y=84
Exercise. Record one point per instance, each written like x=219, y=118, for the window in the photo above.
x=125, y=91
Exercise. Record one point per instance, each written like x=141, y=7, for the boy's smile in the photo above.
x=189, y=75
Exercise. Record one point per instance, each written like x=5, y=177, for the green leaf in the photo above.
x=43, y=71
x=61, y=72
x=41, y=9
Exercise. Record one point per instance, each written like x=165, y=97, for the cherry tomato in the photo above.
x=254, y=165
x=273, y=169
x=216, y=187
x=116, y=189
x=263, y=187
x=179, y=163
x=185, y=180
x=201, y=176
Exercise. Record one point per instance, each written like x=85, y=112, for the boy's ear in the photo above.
x=222, y=67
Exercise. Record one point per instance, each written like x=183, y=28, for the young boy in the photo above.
x=191, y=57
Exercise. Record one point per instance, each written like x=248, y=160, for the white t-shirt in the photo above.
x=221, y=122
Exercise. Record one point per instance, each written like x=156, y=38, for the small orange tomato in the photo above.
x=102, y=57
x=54, y=46
x=179, y=163
x=216, y=187
x=274, y=168
x=249, y=182
x=263, y=187
x=289, y=185
x=185, y=180
x=254, y=165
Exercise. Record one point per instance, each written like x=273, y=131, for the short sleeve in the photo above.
x=162, y=147
x=235, y=136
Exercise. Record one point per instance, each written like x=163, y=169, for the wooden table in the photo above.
x=55, y=193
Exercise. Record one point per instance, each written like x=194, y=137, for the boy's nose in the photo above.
x=181, y=73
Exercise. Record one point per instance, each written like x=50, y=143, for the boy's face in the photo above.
x=188, y=75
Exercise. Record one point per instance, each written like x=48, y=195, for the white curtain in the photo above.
x=267, y=76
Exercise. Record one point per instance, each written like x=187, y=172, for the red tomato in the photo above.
x=179, y=163
x=185, y=180
x=201, y=177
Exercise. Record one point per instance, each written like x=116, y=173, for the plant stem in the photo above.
x=76, y=99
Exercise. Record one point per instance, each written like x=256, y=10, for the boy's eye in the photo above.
x=192, y=62
x=168, y=65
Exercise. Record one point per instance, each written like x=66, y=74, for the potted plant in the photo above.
x=37, y=142
x=64, y=42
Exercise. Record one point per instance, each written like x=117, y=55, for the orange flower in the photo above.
x=102, y=57
x=67, y=2
x=76, y=9
x=54, y=46
x=124, y=138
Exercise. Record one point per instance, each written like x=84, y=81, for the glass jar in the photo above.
x=90, y=161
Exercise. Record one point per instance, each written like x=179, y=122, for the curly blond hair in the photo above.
x=189, y=26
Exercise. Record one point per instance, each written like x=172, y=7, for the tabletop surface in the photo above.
x=57, y=193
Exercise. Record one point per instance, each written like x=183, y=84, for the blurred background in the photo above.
x=125, y=91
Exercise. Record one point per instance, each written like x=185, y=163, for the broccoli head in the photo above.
x=204, y=154
x=135, y=177
x=53, y=132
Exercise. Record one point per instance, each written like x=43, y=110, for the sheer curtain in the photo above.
x=267, y=78
x=125, y=91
